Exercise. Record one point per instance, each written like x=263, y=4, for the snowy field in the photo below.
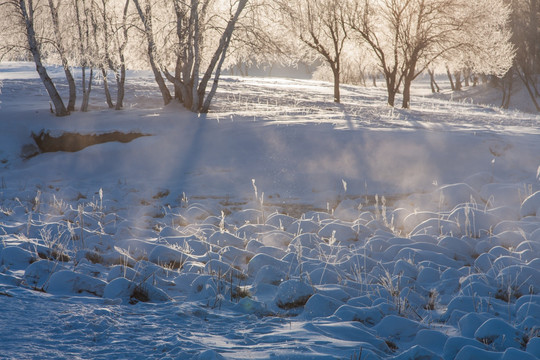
x=280, y=225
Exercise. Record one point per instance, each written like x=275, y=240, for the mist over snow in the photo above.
x=279, y=225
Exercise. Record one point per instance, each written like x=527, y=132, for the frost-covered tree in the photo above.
x=144, y=9
x=321, y=26
x=111, y=23
x=487, y=50
x=259, y=40
x=86, y=47
x=407, y=36
x=206, y=46
x=357, y=67
x=191, y=37
x=23, y=19
x=60, y=42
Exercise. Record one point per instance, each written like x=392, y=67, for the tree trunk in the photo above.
x=534, y=17
x=146, y=18
x=165, y=93
x=59, y=107
x=72, y=89
x=196, y=97
x=61, y=51
x=431, y=81
x=28, y=15
x=218, y=57
x=84, y=105
x=178, y=74
x=391, y=96
x=457, y=85
x=524, y=78
x=507, y=82
x=120, y=76
x=337, y=96
x=391, y=87
x=533, y=79
x=210, y=96
x=106, y=62
x=406, y=104
x=86, y=89
x=434, y=86
x=467, y=74
x=120, y=83
x=82, y=50
x=506, y=103
x=106, y=88
x=363, y=78
x=449, y=74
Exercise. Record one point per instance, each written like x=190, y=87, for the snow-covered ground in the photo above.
x=280, y=225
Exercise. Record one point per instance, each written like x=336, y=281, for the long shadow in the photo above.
x=194, y=151
x=346, y=115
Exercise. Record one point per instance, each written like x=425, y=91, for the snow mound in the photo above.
x=67, y=282
x=531, y=205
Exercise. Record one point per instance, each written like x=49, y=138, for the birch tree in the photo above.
x=56, y=9
x=195, y=50
x=23, y=12
x=86, y=51
x=110, y=28
x=144, y=9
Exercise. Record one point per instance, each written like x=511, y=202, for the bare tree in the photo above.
x=119, y=66
x=25, y=14
x=258, y=40
x=366, y=20
x=117, y=37
x=12, y=32
x=59, y=43
x=432, y=82
x=407, y=36
x=86, y=55
x=195, y=50
x=144, y=9
x=321, y=26
x=110, y=35
x=506, y=83
x=100, y=39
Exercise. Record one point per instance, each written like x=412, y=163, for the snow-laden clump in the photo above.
x=38, y=273
x=293, y=294
x=71, y=283
x=452, y=284
x=15, y=257
x=127, y=290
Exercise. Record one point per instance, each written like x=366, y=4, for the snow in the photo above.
x=279, y=225
x=531, y=205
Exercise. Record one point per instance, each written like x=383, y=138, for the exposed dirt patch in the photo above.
x=72, y=142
